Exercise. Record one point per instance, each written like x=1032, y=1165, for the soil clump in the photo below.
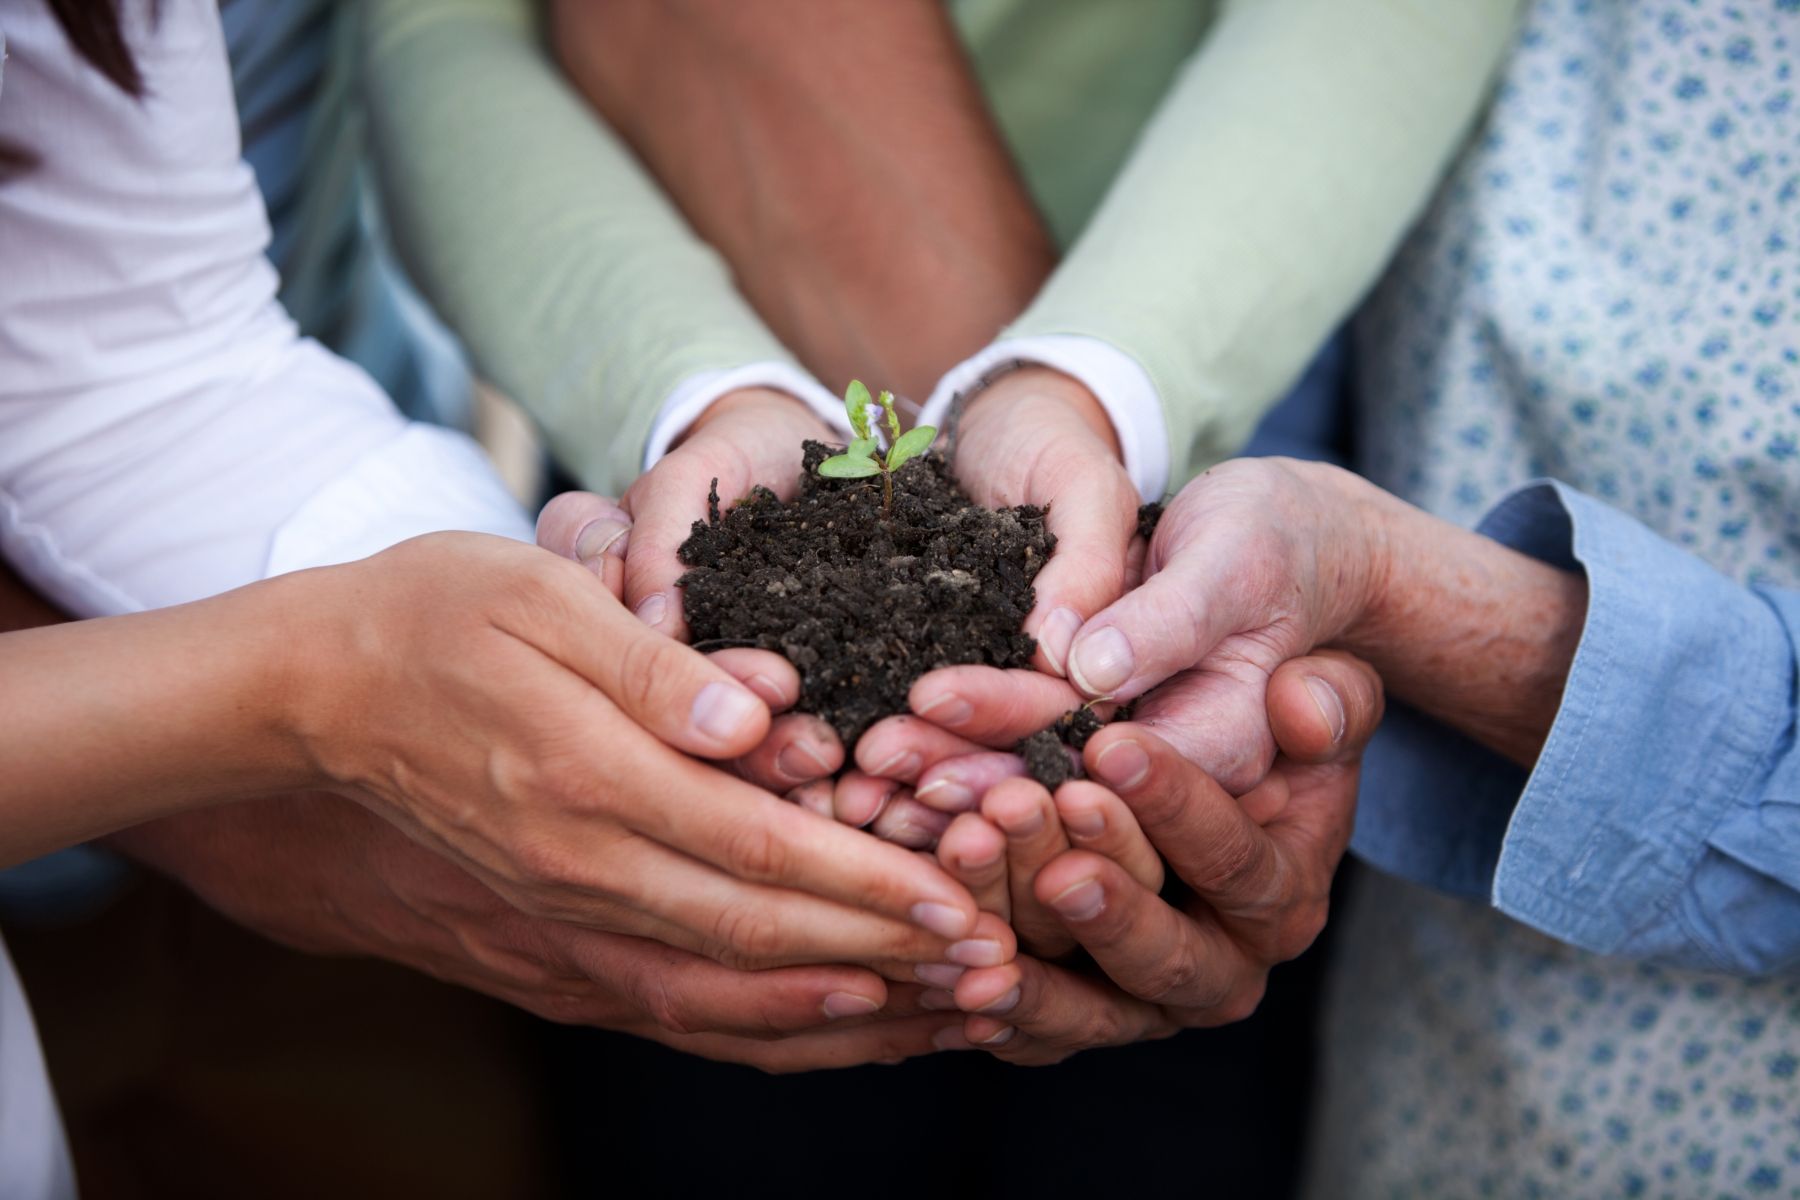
x=862, y=602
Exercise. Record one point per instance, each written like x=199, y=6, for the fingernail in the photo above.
x=798, y=760
x=937, y=1000
x=881, y=802
x=985, y=858
x=999, y=1037
x=1003, y=1004
x=1082, y=902
x=1101, y=662
x=899, y=766
x=599, y=537
x=1330, y=706
x=1122, y=765
x=950, y=1038
x=839, y=1005
x=651, y=609
x=767, y=688
x=722, y=709
x=813, y=797
x=1084, y=822
x=940, y=919
x=1054, y=636
x=939, y=975
x=1029, y=825
x=948, y=709
x=946, y=795
x=976, y=952
x=908, y=833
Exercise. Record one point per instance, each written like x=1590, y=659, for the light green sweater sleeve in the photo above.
x=577, y=287
x=1263, y=199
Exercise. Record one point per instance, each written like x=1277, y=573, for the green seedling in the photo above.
x=862, y=458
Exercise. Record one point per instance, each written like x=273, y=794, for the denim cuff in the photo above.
x=1668, y=720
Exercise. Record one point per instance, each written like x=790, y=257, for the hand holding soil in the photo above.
x=1038, y=437
x=1086, y=869
x=746, y=439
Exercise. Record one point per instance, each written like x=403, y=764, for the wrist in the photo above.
x=1039, y=388
x=1467, y=630
x=761, y=404
x=312, y=677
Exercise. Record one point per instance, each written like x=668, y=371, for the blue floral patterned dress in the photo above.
x=1606, y=292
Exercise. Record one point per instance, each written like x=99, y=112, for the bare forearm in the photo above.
x=110, y=722
x=1467, y=630
x=842, y=159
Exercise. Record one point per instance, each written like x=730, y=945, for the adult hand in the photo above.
x=1259, y=868
x=744, y=439
x=1256, y=562
x=322, y=875
x=505, y=711
x=596, y=532
x=1037, y=436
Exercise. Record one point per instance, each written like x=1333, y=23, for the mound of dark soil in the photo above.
x=860, y=602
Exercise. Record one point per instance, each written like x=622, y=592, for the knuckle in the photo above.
x=1235, y=866
x=1302, y=928
x=664, y=1006
x=1103, y=1027
x=747, y=935
x=1242, y=1003
x=756, y=852
x=1177, y=975
x=562, y=1008
x=649, y=666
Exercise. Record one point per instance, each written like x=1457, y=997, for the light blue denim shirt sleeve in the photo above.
x=1662, y=820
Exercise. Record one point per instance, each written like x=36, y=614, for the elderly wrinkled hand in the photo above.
x=1257, y=870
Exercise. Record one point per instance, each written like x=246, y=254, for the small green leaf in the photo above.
x=856, y=404
x=843, y=466
x=861, y=448
x=910, y=445
x=887, y=404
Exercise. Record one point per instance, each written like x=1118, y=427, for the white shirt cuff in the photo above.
x=1117, y=380
x=426, y=480
x=695, y=394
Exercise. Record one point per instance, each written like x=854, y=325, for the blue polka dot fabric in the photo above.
x=1607, y=291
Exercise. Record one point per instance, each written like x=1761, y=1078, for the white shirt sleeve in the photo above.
x=165, y=434
x=695, y=394
x=1118, y=382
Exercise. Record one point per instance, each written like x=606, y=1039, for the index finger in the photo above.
x=989, y=705
x=759, y=837
x=1208, y=839
x=1154, y=952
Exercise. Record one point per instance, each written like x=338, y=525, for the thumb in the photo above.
x=1092, y=519
x=1166, y=625
x=1324, y=707
x=593, y=530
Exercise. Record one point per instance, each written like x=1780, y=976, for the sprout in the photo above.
x=860, y=458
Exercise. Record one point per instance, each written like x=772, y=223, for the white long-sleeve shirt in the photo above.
x=165, y=434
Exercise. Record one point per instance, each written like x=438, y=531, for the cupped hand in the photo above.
x=1254, y=563
x=321, y=874
x=1037, y=436
x=596, y=532
x=502, y=708
x=746, y=438
x=1258, y=868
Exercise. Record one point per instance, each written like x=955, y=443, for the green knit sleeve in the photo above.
x=577, y=287
x=1263, y=199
